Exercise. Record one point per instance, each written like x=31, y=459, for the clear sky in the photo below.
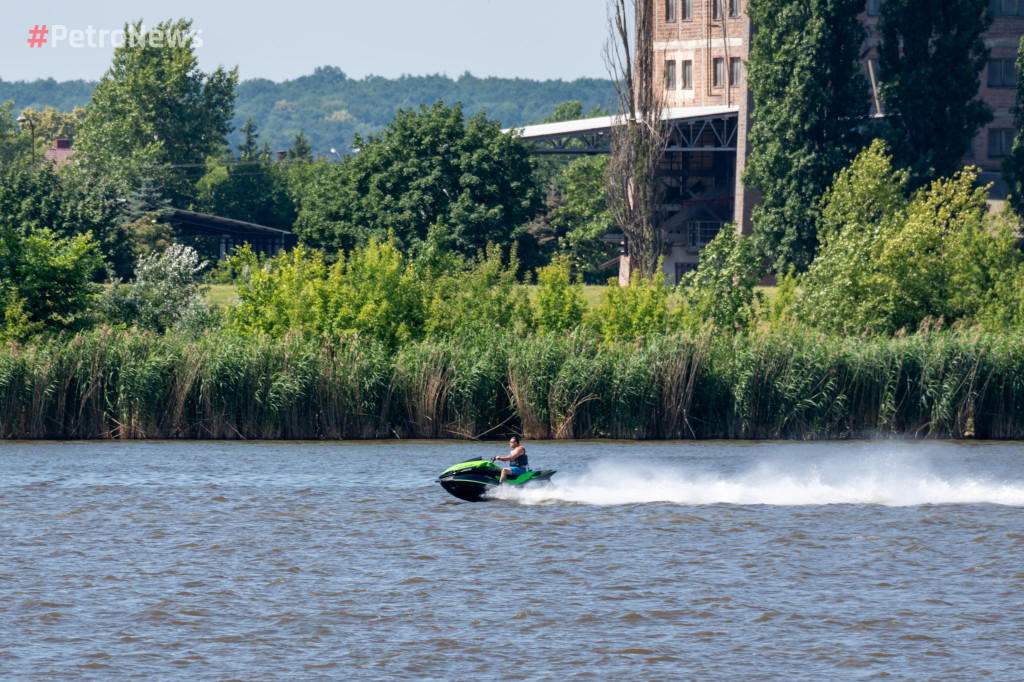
x=540, y=39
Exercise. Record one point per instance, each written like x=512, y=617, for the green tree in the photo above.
x=889, y=263
x=482, y=296
x=810, y=96
x=929, y=60
x=155, y=107
x=864, y=205
x=46, y=282
x=430, y=167
x=582, y=218
x=14, y=144
x=253, y=189
x=1013, y=165
x=52, y=125
x=274, y=296
x=721, y=290
x=374, y=292
x=69, y=201
x=300, y=149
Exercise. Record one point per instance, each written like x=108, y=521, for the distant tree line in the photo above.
x=331, y=108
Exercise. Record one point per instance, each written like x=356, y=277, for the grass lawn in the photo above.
x=221, y=294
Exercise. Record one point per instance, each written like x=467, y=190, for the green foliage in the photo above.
x=149, y=235
x=45, y=280
x=583, y=217
x=572, y=110
x=166, y=294
x=865, y=205
x=332, y=108
x=300, y=149
x=806, y=77
x=794, y=383
x=44, y=92
x=52, y=125
x=127, y=125
x=919, y=262
x=1013, y=165
x=721, y=290
x=373, y=293
x=889, y=263
x=560, y=303
x=637, y=311
x=254, y=190
x=17, y=323
x=479, y=298
x=782, y=309
x=14, y=143
x=929, y=60
x=987, y=275
x=69, y=201
x=429, y=168
x=274, y=296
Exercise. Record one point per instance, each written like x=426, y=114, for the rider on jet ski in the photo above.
x=516, y=458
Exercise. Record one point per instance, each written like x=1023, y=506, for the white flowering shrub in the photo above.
x=166, y=294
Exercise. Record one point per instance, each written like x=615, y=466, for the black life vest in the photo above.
x=520, y=461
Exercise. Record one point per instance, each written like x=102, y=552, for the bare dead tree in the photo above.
x=632, y=178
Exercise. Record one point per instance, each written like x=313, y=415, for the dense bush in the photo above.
x=888, y=262
x=46, y=282
x=560, y=303
x=166, y=294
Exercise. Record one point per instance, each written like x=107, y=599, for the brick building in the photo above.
x=701, y=49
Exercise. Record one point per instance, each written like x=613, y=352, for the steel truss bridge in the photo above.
x=690, y=129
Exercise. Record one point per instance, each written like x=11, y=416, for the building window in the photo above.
x=670, y=75
x=687, y=10
x=875, y=8
x=734, y=71
x=716, y=9
x=682, y=269
x=670, y=10
x=1002, y=73
x=687, y=75
x=1008, y=8
x=702, y=232
x=1000, y=142
x=734, y=8
x=718, y=78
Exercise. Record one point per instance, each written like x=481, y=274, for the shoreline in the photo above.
x=794, y=385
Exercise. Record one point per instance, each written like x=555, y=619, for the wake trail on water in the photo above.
x=891, y=482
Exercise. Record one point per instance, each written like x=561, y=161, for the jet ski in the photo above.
x=471, y=479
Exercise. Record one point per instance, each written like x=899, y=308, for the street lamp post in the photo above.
x=32, y=127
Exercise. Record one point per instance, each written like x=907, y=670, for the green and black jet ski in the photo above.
x=469, y=480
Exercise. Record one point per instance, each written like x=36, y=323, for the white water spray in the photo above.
x=893, y=481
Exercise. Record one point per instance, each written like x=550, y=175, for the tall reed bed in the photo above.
x=794, y=383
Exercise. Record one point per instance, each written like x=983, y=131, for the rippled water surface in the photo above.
x=641, y=560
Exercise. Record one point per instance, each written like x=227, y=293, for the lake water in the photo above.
x=640, y=560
